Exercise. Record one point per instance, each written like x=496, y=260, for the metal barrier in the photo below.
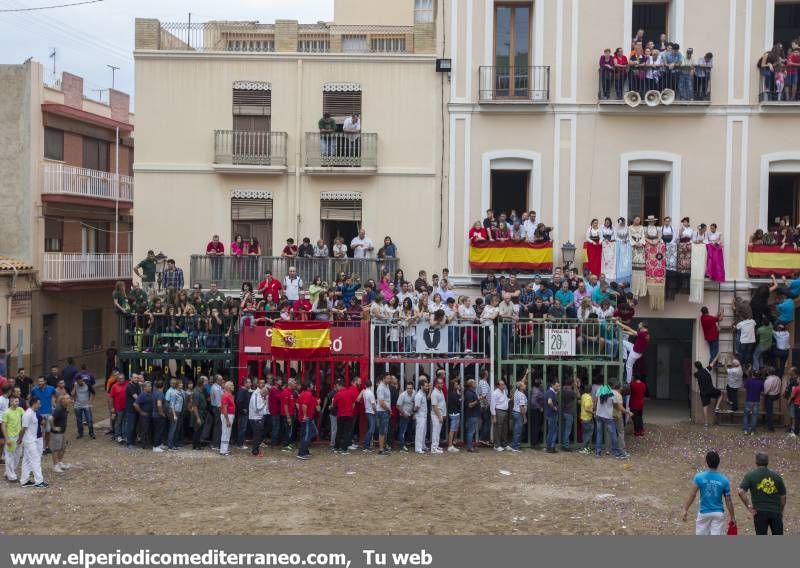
x=240, y=147
x=418, y=339
x=229, y=272
x=180, y=336
x=688, y=83
x=773, y=90
x=341, y=150
x=524, y=84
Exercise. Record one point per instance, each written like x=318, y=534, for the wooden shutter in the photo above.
x=252, y=101
x=251, y=209
x=341, y=104
x=340, y=210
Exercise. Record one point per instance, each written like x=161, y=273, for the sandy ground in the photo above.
x=113, y=491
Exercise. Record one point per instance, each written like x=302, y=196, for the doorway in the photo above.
x=331, y=229
x=667, y=358
x=652, y=17
x=646, y=195
x=783, y=198
x=786, y=23
x=49, y=345
x=509, y=191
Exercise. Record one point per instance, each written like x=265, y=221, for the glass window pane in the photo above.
x=635, y=191
x=502, y=27
x=522, y=37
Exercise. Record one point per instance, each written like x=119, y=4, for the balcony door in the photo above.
x=512, y=47
x=646, y=195
x=251, y=139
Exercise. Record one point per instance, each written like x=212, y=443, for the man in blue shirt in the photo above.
x=713, y=487
x=545, y=293
x=46, y=395
x=68, y=374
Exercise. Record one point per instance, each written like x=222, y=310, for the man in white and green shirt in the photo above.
x=11, y=422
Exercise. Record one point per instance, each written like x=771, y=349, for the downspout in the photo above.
x=298, y=147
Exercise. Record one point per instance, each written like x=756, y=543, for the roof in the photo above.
x=84, y=116
x=5, y=261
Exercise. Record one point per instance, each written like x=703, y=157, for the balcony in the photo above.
x=514, y=85
x=651, y=86
x=229, y=272
x=772, y=96
x=61, y=182
x=352, y=154
x=239, y=151
x=60, y=268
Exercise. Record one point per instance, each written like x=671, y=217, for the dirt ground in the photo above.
x=113, y=491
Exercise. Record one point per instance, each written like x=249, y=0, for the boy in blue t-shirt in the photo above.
x=713, y=487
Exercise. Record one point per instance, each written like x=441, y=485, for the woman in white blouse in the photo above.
x=594, y=249
x=715, y=257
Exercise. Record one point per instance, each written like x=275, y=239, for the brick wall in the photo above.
x=72, y=85
x=286, y=35
x=147, y=33
x=120, y=105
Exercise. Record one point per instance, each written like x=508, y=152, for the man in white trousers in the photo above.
x=11, y=422
x=31, y=449
x=438, y=412
x=421, y=416
x=635, y=350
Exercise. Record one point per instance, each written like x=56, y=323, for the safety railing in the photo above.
x=508, y=84
x=778, y=88
x=238, y=147
x=61, y=179
x=341, y=150
x=209, y=333
x=61, y=267
x=229, y=272
x=654, y=85
x=560, y=338
x=419, y=338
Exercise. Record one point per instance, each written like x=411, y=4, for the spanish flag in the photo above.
x=764, y=261
x=508, y=255
x=301, y=340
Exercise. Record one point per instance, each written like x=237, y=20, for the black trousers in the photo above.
x=772, y=521
x=344, y=432
x=537, y=420
x=144, y=430
x=257, y=426
x=159, y=423
x=197, y=432
x=638, y=421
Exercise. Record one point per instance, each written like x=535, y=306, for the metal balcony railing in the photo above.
x=341, y=150
x=509, y=84
x=416, y=338
x=244, y=148
x=229, y=272
x=526, y=339
x=61, y=267
x=61, y=179
x=169, y=333
x=674, y=85
x=777, y=90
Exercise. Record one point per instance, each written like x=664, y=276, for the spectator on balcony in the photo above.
x=306, y=249
x=215, y=250
x=327, y=140
x=606, y=73
x=173, y=276
x=352, y=133
x=767, y=64
x=500, y=230
x=290, y=250
x=792, y=72
x=518, y=234
x=120, y=298
x=685, y=90
x=320, y=249
x=215, y=298
x=638, y=38
x=388, y=250
x=292, y=284
x=421, y=283
x=237, y=246
x=302, y=306
x=362, y=245
x=663, y=43
x=620, y=63
x=146, y=270
x=253, y=247
x=487, y=221
x=702, y=74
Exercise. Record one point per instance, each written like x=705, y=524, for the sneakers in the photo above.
x=584, y=451
x=367, y=450
x=28, y=483
x=404, y=449
x=158, y=450
x=303, y=457
x=41, y=485
x=498, y=448
x=452, y=449
x=224, y=453
x=57, y=468
x=119, y=439
x=508, y=448
x=792, y=435
x=384, y=452
x=352, y=447
x=437, y=451
x=420, y=452
x=514, y=450
x=623, y=456
x=64, y=465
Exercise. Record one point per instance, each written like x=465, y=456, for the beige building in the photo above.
x=66, y=194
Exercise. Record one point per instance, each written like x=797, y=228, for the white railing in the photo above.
x=61, y=179
x=73, y=267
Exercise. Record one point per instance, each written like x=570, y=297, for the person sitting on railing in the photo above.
x=362, y=245
x=285, y=310
x=321, y=249
x=248, y=305
x=306, y=249
x=290, y=250
x=592, y=342
x=606, y=73
x=605, y=310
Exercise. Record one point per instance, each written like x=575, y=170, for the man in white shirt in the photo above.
x=499, y=409
x=529, y=224
x=256, y=411
x=421, y=416
x=361, y=245
x=368, y=396
x=292, y=284
x=31, y=453
x=438, y=412
x=352, y=132
x=383, y=410
x=408, y=292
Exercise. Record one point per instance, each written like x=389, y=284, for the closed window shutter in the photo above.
x=341, y=104
x=251, y=209
x=336, y=210
x=252, y=102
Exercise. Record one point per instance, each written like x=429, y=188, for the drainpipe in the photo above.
x=300, y=141
x=9, y=300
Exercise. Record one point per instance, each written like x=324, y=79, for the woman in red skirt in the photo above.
x=594, y=248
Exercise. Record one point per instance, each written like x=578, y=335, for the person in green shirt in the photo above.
x=327, y=127
x=11, y=426
x=214, y=298
x=763, y=343
x=768, y=496
x=146, y=270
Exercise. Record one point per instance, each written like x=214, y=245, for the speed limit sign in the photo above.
x=559, y=342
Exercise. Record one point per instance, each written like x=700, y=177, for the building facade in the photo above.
x=66, y=215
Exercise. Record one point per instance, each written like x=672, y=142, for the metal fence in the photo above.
x=418, y=338
x=655, y=84
x=599, y=340
x=341, y=150
x=775, y=89
x=229, y=271
x=524, y=84
x=197, y=334
x=75, y=267
x=238, y=147
x=61, y=179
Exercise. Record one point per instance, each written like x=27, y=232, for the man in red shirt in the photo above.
x=116, y=403
x=793, y=72
x=636, y=404
x=302, y=306
x=215, y=250
x=270, y=288
x=288, y=413
x=274, y=406
x=635, y=350
x=344, y=402
x=710, y=325
x=307, y=406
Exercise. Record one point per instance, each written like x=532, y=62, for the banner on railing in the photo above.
x=508, y=255
x=764, y=261
x=300, y=340
x=431, y=339
x=559, y=342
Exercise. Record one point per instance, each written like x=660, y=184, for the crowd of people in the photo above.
x=780, y=235
x=779, y=71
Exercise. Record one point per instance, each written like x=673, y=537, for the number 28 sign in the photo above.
x=559, y=342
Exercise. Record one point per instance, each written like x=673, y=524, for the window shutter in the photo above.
x=340, y=210
x=252, y=98
x=341, y=104
x=251, y=209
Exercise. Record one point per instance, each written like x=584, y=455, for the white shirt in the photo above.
x=339, y=250
x=520, y=401
x=31, y=425
x=420, y=405
x=351, y=128
x=438, y=400
x=687, y=233
x=489, y=314
x=499, y=401
x=748, y=331
x=292, y=287
x=258, y=406
x=530, y=228
x=781, y=339
x=3, y=406
x=369, y=401
x=411, y=296
x=361, y=247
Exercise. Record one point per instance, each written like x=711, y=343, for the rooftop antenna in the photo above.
x=189, y=32
x=53, y=57
x=99, y=94
x=113, y=73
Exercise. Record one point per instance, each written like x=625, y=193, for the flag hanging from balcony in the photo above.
x=764, y=261
x=507, y=255
x=300, y=340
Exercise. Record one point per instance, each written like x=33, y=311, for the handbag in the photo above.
x=733, y=530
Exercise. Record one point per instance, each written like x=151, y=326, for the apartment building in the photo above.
x=66, y=215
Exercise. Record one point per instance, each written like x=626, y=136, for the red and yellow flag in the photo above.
x=507, y=255
x=301, y=340
x=764, y=261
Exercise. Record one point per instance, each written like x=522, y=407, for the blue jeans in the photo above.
x=472, y=428
x=288, y=429
x=309, y=433
x=607, y=425
x=119, y=425
x=402, y=429
x=382, y=420
x=82, y=414
x=750, y=418
x=130, y=427
x=276, y=429
x=758, y=356
x=370, y=431
x=713, y=349
x=241, y=430
x=516, y=434
x=566, y=429
x=552, y=431
x=172, y=432
x=588, y=430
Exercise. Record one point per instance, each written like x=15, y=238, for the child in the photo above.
x=780, y=81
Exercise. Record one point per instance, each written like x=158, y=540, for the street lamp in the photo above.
x=568, y=254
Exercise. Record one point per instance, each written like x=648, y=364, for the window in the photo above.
x=252, y=98
x=652, y=17
x=423, y=11
x=784, y=190
x=388, y=44
x=313, y=45
x=354, y=44
x=252, y=217
x=512, y=38
x=53, y=234
x=341, y=102
x=92, y=333
x=646, y=195
x=95, y=154
x=258, y=45
x=53, y=144
x=94, y=236
x=340, y=216
x=787, y=23
x=509, y=190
